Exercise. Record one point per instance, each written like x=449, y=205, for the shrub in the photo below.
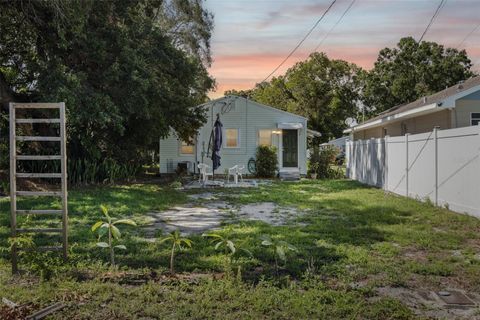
x=176, y=184
x=267, y=161
x=321, y=162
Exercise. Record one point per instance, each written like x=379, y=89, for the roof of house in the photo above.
x=211, y=102
x=435, y=98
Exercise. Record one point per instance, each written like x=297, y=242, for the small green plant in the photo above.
x=228, y=246
x=266, y=161
x=45, y=264
x=313, y=169
x=177, y=241
x=280, y=248
x=224, y=243
x=176, y=184
x=109, y=227
x=4, y=187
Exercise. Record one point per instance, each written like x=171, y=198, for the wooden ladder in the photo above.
x=14, y=175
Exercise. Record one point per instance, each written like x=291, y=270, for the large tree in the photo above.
x=412, y=70
x=128, y=70
x=326, y=91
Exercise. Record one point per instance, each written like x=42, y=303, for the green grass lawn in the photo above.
x=351, y=241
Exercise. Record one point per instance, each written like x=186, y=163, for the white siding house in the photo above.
x=246, y=124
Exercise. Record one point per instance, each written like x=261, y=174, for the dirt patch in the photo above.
x=205, y=196
x=20, y=312
x=268, y=212
x=128, y=278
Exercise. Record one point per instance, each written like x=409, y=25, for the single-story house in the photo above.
x=455, y=107
x=246, y=125
x=339, y=143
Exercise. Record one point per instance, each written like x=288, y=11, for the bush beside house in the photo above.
x=321, y=162
x=267, y=161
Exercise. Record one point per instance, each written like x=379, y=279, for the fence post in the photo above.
x=406, y=163
x=435, y=138
x=348, y=157
x=385, y=165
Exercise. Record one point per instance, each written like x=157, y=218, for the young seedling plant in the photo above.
x=176, y=240
x=224, y=243
x=280, y=247
x=109, y=227
x=228, y=246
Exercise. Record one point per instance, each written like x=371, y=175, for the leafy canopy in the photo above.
x=412, y=70
x=326, y=91
x=128, y=70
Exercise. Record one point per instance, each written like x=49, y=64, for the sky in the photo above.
x=252, y=37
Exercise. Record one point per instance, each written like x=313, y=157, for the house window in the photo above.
x=232, y=139
x=264, y=137
x=186, y=148
x=475, y=118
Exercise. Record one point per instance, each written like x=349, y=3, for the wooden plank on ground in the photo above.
x=41, y=314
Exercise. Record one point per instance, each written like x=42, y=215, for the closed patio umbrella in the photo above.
x=217, y=143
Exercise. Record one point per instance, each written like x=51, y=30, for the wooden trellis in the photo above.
x=14, y=193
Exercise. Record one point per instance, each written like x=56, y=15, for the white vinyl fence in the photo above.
x=442, y=165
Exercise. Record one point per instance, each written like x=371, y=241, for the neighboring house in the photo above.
x=246, y=125
x=454, y=107
x=339, y=143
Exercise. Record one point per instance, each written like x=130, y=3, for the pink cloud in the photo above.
x=248, y=49
x=244, y=71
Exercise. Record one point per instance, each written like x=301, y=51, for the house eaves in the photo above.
x=445, y=99
x=430, y=108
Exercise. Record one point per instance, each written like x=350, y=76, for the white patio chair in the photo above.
x=240, y=171
x=204, y=172
x=233, y=172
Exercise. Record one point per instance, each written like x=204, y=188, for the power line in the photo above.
x=468, y=36
x=334, y=26
x=440, y=6
x=300, y=43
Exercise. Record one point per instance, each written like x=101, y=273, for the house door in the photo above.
x=290, y=148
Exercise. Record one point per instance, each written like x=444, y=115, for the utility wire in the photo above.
x=334, y=26
x=300, y=43
x=440, y=6
x=468, y=36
